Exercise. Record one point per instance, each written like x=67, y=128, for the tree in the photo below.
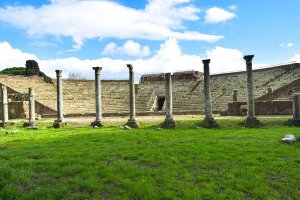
x=32, y=68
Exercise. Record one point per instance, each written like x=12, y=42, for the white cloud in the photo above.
x=296, y=58
x=225, y=60
x=216, y=15
x=83, y=20
x=232, y=7
x=290, y=44
x=169, y=58
x=10, y=57
x=130, y=48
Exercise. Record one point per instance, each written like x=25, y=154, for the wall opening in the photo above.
x=160, y=102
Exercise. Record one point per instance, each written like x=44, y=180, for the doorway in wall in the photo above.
x=160, y=102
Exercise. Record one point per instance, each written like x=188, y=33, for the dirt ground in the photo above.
x=88, y=120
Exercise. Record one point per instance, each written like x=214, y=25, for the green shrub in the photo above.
x=32, y=68
x=47, y=79
x=14, y=71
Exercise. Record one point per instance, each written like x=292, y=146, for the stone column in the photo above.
x=4, y=106
x=296, y=110
x=169, y=121
x=251, y=120
x=98, y=119
x=270, y=94
x=60, y=114
x=131, y=122
x=209, y=121
x=234, y=95
x=31, y=109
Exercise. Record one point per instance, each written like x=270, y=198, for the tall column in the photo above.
x=4, y=106
x=131, y=122
x=169, y=121
x=209, y=119
x=98, y=119
x=251, y=120
x=31, y=109
x=296, y=111
x=60, y=114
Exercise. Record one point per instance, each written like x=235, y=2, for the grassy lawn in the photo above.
x=231, y=162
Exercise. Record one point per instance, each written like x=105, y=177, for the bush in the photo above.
x=32, y=68
x=47, y=79
x=14, y=71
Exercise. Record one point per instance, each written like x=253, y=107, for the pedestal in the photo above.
x=59, y=123
x=210, y=123
x=96, y=123
x=252, y=122
x=132, y=123
x=169, y=123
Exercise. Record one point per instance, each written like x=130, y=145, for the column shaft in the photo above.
x=251, y=120
x=208, y=110
x=296, y=106
x=169, y=121
x=4, y=106
x=131, y=122
x=250, y=97
x=98, y=119
x=31, y=106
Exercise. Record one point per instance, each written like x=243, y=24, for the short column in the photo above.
x=169, y=121
x=4, y=106
x=98, y=119
x=131, y=121
x=31, y=121
x=296, y=110
x=59, y=101
x=251, y=120
x=270, y=94
x=209, y=120
x=234, y=95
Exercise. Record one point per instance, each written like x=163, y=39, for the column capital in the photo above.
x=58, y=72
x=167, y=75
x=97, y=69
x=130, y=67
x=248, y=58
x=206, y=61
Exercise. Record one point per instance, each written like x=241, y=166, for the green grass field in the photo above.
x=231, y=162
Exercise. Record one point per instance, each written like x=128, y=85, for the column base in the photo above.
x=132, y=123
x=169, y=123
x=252, y=122
x=96, y=123
x=3, y=124
x=293, y=122
x=210, y=123
x=59, y=123
x=28, y=124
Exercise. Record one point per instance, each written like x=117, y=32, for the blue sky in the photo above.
x=154, y=35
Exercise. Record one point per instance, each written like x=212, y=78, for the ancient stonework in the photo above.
x=187, y=92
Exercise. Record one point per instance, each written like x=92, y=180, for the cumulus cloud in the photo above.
x=83, y=20
x=225, y=60
x=10, y=57
x=216, y=15
x=169, y=58
x=296, y=58
x=290, y=44
x=130, y=48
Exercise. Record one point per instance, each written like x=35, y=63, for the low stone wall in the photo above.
x=271, y=107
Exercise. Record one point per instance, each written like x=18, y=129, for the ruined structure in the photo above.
x=273, y=90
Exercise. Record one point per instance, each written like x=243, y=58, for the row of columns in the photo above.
x=209, y=121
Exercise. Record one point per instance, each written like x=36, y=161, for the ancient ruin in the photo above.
x=273, y=89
